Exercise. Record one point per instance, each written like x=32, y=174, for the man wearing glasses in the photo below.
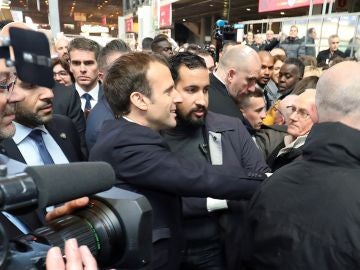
x=326, y=56
x=301, y=120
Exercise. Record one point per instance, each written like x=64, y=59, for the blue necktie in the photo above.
x=87, y=103
x=36, y=136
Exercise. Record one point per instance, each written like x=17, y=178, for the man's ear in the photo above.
x=139, y=100
x=313, y=114
x=230, y=75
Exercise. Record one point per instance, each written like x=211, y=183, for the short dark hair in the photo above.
x=244, y=102
x=127, y=75
x=146, y=43
x=310, y=30
x=85, y=44
x=190, y=60
x=116, y=45
x=154, y=45
x=298, y=63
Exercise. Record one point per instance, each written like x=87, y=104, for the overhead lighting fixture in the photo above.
x=184, y=20
x=282, y=13
x=248, y=9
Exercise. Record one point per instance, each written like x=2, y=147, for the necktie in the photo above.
x=36, y=136
x=87, y=97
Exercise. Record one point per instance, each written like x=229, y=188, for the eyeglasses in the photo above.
x=8, y=87
x=302, y=113
x=61, y=73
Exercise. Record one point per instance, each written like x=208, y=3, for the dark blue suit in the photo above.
x=97, y=116
x=143, y=163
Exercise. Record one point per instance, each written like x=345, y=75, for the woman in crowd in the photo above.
x=62, y=72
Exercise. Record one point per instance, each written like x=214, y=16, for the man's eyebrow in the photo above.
x=169, y=89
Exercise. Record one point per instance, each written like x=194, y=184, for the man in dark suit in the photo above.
x=34, y=114
x=67, y=102
x=83, y=54
x=141, y=93
x=235, y=76
x=102, y=110
x=217, y=139
x=326, y=56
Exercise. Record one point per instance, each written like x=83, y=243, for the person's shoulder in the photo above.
x=223, y=120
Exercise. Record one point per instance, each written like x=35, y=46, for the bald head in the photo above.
x=267, y=67
x=338, y=94
x=239, y=69
x=238, y=56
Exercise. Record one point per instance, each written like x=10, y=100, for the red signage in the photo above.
x=165, y=15
x=103, y=20
x=129, y=25
x=272, y=5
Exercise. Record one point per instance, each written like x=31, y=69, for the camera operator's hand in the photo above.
x=67, y=208
x=77, y=258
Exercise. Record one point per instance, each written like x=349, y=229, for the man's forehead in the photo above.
x=82, y=53
x=289, y=68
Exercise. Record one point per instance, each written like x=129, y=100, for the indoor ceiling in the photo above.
x=235, y=11
x=94, y=10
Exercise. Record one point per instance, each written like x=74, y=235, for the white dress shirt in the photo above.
x=29, y=149
x=94, y=93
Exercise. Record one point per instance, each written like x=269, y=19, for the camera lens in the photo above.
x=96, y=226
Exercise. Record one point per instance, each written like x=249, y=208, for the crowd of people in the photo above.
x=250, y=162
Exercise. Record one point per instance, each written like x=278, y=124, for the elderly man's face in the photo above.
x=8, y=99
x=300, y=121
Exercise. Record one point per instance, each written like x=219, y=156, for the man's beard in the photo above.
x=30, y=119
x=189, y=120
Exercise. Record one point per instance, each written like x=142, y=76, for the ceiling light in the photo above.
x=184, y=20
x=248, y=9
x=282, y=13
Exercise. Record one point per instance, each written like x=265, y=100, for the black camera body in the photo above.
x=116, y=226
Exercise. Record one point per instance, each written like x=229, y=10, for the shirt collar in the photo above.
x=94, y=93
x=22, y=132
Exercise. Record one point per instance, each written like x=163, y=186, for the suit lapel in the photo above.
x=61, y=138
x=12, y=151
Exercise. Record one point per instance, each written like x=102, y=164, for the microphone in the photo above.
x=41, y=186
x=221, y=23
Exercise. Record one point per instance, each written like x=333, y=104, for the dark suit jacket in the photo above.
x=324, y=56
x=221, y=102
x=58, y=126
x=67, y=102
x=71, y=147
x=97, y=116
x=143, y=163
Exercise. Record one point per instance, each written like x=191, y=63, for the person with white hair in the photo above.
x=306, y=215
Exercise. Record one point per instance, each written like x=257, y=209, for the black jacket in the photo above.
x=306, y=216
x=324, y=57
x=62, y=129
x=143, y=163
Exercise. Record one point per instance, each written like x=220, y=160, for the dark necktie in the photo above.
x=87, y=97
x=36, y=136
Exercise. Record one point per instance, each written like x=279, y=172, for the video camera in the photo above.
x=116, y=224
x=224, y=32
x=32, y=56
